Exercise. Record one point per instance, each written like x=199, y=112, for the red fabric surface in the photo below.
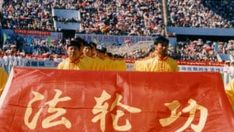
x=145, y=91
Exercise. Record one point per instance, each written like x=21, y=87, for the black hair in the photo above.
x=109, y=54
x=75, y=43
x=88, y=45
x=161, y=39
x=93, y=45
x=82, y=41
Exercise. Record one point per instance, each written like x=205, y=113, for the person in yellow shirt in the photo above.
x=109, y=62
x=74, y=61
x=93, y=49
x=160, y=61
x=3, y=79
x=121, y=63
x=230, y=92
x=139, y=65
x=87, y=50
x=100, y=59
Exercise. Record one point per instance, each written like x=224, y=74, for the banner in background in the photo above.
x=119, y=40
x=189, y=68
x=60, y=100
x=29, y=35
x=200, y=63
x=114, y=39
x=32, y=32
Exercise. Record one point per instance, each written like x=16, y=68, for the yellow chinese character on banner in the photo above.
x=49, y=121
x=101, y=110
x=191, y=109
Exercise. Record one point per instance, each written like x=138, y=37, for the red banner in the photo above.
x=57, y=100
x=200, y=63
x=33, y=32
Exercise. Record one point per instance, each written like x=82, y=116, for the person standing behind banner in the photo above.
x=231, y=70
x=120, y=63
x=93, y=49
x=229, y=89
x=3, y=79
x=100, y=59
x=87, y=50
x=226, y=72
x=229, y=86
x=160, y=61
x=74, y=60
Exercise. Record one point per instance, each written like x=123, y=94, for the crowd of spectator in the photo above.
x=26, y=14
x=38, y=46
x=201, y=13
x=12, y=57
x=66, y=20
x=203, y=50
x=132, y=50
x=197, y=50
x=129, y=17
x=222, y=7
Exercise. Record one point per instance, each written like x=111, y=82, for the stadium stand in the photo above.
x=105, y=17
x=200, y=13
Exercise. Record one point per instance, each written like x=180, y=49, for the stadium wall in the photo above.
x=229, y=32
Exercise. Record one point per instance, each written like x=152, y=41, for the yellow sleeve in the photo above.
x=123, y=66
x=112, y=65
x=97, y=64
x=175, y=66
x=107, y=63
x=60, y=65
x=230, y=92
x=3, y=79
x=140, y=65
x=230, y=95
x=92, y=63
x=116, y=65
x=87, y=63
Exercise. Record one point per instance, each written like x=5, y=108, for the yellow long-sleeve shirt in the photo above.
x=230, y=92
x=3, y=79
x=139, y=65
x=83, y=63
x=157, y=65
